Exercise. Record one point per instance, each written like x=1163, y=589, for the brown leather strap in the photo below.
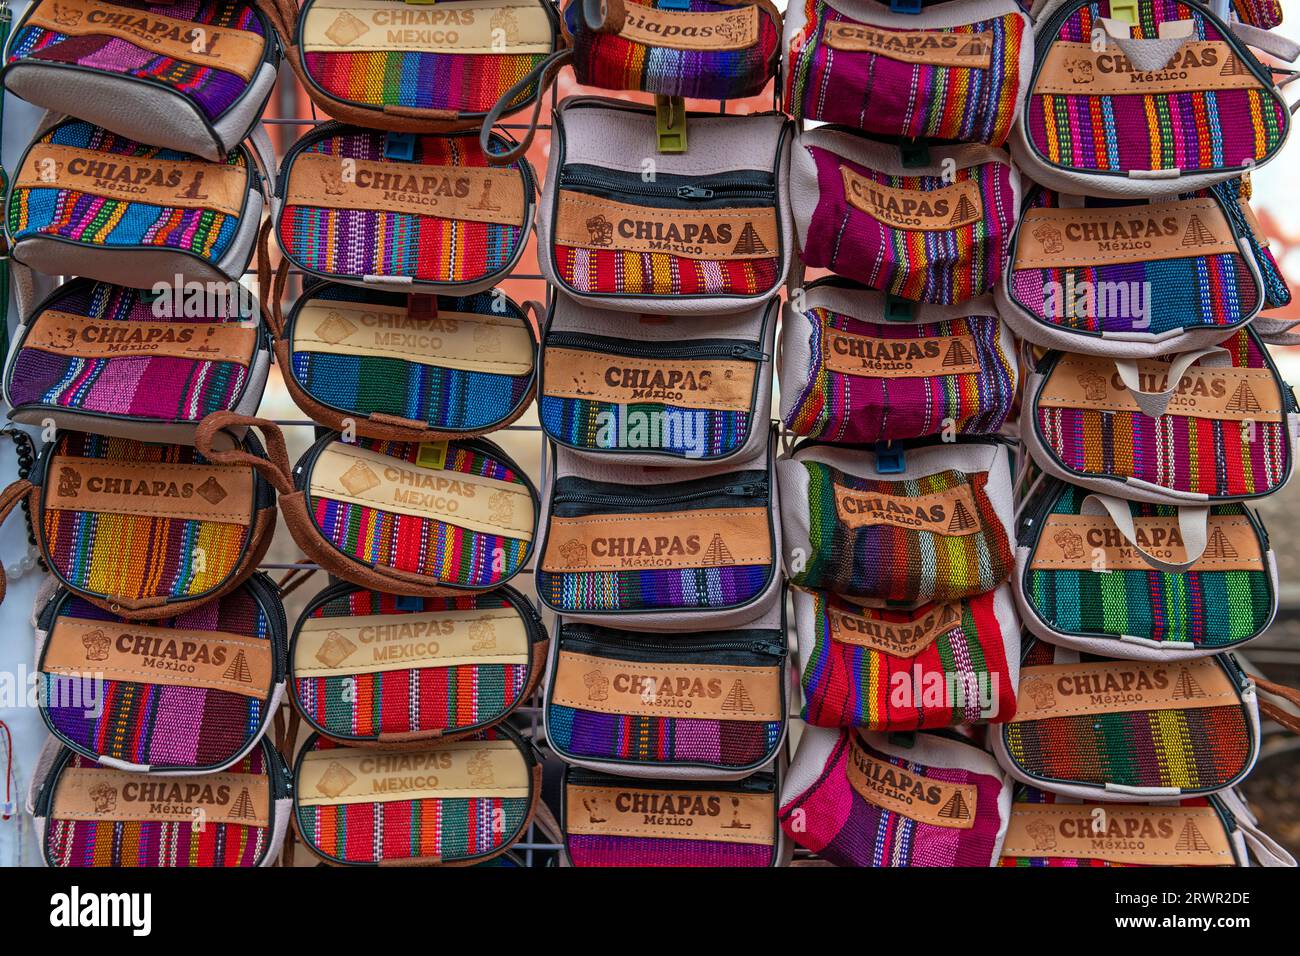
x=1277, y=690
x=1284, y=717
x=538, y=311
x=295, y=578
x=13, y=494
x=271, y=284
x=604, y=16
x=275, y=468
x=283, y=15
x=543, y=75
x=285, y=730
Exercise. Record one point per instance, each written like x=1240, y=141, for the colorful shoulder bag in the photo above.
x=189, y=694
x=372, y=668
x=930, y=799
x=192, y=76
x=1129, y=731
x=859, y=366
x=401, y=212
x=1161, y=583
x=708, y=705
x=1147, y=98
x=135, y=364
x=702, y=231
x=946, y=70
x=454, y=803
x=1139, y=280
x=660, y=549
x=885, y=668
x=908, y=523
x=1215, y=424
x=91, y=815
x=88, y=202
x=617, y=821
x=929, y=224
x=656, y=389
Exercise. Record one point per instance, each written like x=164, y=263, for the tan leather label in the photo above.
x=628, y=810
x=1118, y=833
x=1205, y=391
x=895, y=638
x=460, y=770
x=220, y=48
x=931, y=47
x=1093, y=543
x=655, y=689
x=374, y=643
x=192, y=492
x=1077, y=69
x=1114, y=687
x=929, y=210
x=869, y=357
x=475, y=193
x=459, y=340
x=147, y=654
x=1051, y=238
x=733, y=29
x=940, y=804
x=501, y=27
x=590, y=222
x=691, y=383
x=122, y=797
x=184, y=183
x=87, y=337
x=364, y=477
x=713, y=538
x=951, y=512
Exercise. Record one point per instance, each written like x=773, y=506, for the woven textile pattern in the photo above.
x=655, y=740
x=1216, y=457
x=1197, y=291
x=881, y=95
x=174, y=843
x=846, y=685
x=599, y=850
x=442, y=829
x=1264, y=14
x=653, y=590
x=159, y=387
x=360, y=242
x=1210, y=609
x=114, y=223
x=135, y=556
x=857, y=409
x=156, y=724
x=610, y=271
x=418, y=389
x=612, y=62
x=213, y=91
x=414, y=700
x=833, y=820
x=586, y=423
x=426, y=546
x=1189, y=131
x=943, y=266
x=899, y=564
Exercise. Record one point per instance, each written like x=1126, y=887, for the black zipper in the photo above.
x=651, y=648
x=695, y=348
x=761, y=782
x=675, y=190
x=617, y=502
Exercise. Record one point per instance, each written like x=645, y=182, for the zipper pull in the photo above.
x=767, y=647
x=741, y=490
x=694, y=192
x=749, y=352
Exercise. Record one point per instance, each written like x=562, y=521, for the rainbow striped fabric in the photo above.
x=1189, y=130
x=877, y=94
x=610, y=271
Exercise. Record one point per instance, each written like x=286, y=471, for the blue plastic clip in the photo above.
x=405, y=602
x=399, y=146
x=675, y=5
x=890, y=459
x=912, y=7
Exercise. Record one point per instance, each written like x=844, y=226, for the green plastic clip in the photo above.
x=1126, y=10
x=899, y=310
x=670, y=123
x=903, y=738
x=915, y=153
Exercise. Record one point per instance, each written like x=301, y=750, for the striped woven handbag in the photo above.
x=1167, y=98
x=149, y=530
x=909, y=523
x=381, y=669
x=944, y=70
x=924, y=223
x=454, y=803
x=1215, y=424
x=930, y=799
x=1085, y=582
x=192, y=75
x=401, y=212
x=90, y=815
x=859, y=366
x=192, y=693
x=126, y=362
x=618, y=821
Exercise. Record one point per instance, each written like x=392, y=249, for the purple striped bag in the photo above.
x=863, y=799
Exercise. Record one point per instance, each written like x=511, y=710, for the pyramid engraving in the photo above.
x=1196, y=234
x=962, y=520
x=749, y=244
x=1220, y=546
x=965, y=211
x=718, y=553
x=1187, y=687
x=1243, y=401
x=738, y=700
x=955, y=808
x=1232, y=66
x=957, y=354
x=242, y=808
x=238, y=669
x=1190, y=838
